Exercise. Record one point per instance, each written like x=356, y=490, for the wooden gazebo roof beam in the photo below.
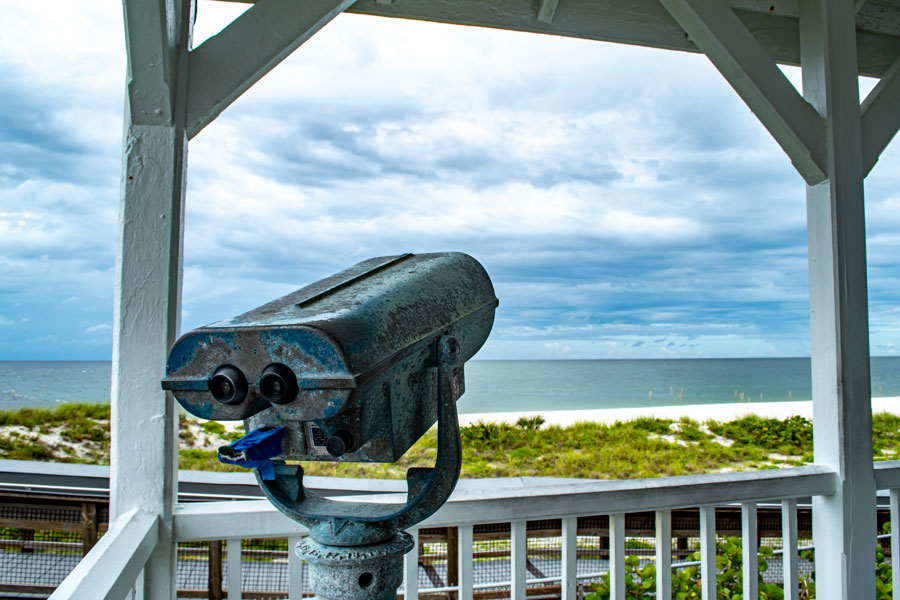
x=774, y=23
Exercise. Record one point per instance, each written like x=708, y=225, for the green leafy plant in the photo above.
x=687, y=584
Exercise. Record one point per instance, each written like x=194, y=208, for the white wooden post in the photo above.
x=617, y=574
x=749, y=550
x=790, y=560
x=411, y=569
x=518, y=556
x=466, y=574
x=233, y=563
x=708, y=552
x=295, y=570
x=148, y=275
x=843, y=523
x=569, y=581
x=664, y=554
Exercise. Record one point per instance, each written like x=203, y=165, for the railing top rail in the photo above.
x=110, y=568
x=488, y=501
x=887, y=475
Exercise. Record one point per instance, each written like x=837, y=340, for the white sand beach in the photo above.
x=698, y=412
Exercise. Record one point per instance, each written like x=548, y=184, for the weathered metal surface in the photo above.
x=355, y=349
x=340, y=523
x=372, y=572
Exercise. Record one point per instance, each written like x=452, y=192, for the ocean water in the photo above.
x=510, y=386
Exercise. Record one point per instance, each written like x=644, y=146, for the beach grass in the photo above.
x=638, y=448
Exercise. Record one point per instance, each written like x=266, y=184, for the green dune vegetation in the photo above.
x=638, y=448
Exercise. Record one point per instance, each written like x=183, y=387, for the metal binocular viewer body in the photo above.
x=355, y=367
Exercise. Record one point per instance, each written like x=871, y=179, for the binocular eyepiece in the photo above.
x=277, y=384
x=228, y=385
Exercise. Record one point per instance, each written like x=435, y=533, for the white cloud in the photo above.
x=98, y=328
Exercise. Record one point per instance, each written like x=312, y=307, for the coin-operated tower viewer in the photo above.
x=355, y=367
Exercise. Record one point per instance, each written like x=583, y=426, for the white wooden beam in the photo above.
x=147, y=303
x=109, y=570
x=547, y=10
x=844, y=522
x=149, y=80
x=794, y=124
x=227, y=64
x=881, y=116
x=617, y=21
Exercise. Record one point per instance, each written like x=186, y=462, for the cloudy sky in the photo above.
x=624, y=200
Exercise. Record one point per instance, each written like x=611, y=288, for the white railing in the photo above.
x=515, y=501
x=111, y=567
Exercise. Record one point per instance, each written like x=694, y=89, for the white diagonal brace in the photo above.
x=881, y=116
x=226, y=65
x=150, y=85
x=547, y=10
x=792, y=121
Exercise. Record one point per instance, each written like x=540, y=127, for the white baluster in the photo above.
x=789, y=547
x=518, y=555
x=750, y=550
x=617, y=557
x=895, y=538
x=234, y=568
x=664, y=554
x=295, y=570
x=411, y=569
x=569, y=558
x=466, y=580
x=708, y=551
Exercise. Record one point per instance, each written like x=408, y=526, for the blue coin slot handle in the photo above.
x=255, y=451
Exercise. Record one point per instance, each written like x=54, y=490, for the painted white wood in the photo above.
x=749, y=550
x=518, y=555
x=895, y=538
x=147, y=301
x=110, y=569
x=569, y=565
x=515, y=500
x=547, y=10
x=708, y=552
x=664, y=554
x=617, y=556
x=881, y=116
x=233, y=564
x=887, y=474
x=295, y=570
x=794, y=124
x=640, y=22
x=227, y=64
x=411, y=569
x=150, y=90
x=466, y=571
x=843, y=523
x=790, y=558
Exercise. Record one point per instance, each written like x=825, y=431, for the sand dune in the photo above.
x=698, y=412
